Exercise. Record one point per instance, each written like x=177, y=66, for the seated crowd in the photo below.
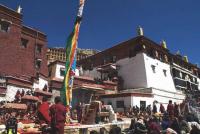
x=169, y=121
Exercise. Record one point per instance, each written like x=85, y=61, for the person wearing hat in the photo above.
x=140, y=127
x=170, y=131
x=165, y=121
x=154, y=126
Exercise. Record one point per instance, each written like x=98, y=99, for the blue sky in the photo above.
x=108, y=22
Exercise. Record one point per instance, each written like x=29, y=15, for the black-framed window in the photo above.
x=142, y=105
x=165, y=72
x=38, y=48
x=38, y=63
x=110, y=103
x=4, y=26
x=153, y=67
x=114, y=58
x=120, y=104
x=24, y=42
x=62, y=72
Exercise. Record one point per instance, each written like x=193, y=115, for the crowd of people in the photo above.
x=51, y=117
x=176, y=119
x=155, y=119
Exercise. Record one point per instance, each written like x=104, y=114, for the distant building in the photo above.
x=59, y=54
x=85, y=88
x=146, y=72
x=22, y=55
x=54, y=54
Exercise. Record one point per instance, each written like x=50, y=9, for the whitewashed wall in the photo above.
x=136, y=100
x=41, y=83
x=198, y=80
x=11, y=92
x=57, y=71
x=127, y=102
x=164, y=96
x=158, y=79
x=132, y=70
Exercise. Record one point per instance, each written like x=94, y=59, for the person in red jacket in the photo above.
x=58, y=116
x=162, y=108
x=43, y=112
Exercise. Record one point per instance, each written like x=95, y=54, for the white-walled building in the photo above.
x=9, y=86
x=146, y=72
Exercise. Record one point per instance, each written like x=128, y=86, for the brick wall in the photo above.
x=14, y=59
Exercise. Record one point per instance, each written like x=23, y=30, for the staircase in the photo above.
x=90, y=116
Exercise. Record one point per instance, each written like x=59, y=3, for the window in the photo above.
x=153, y=68
x=161, y=57
x=165, y=72
x=38, y=48
x=179, y=82
x=114, y=58
x=176, y=73
x=4, y=26
x=120, y=104
x=110, y=103
x=165, y=58
x=2, y=82
x=24, y=43
x=142, y=105
x=62, y=72
x=38, y=63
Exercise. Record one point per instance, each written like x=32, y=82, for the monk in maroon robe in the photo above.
x=162, y=108
x=170, y=109
x=58, y=117
x=43, y=112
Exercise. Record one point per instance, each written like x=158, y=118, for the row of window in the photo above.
x=55, y=57
x=57, y=54
x=2, y=84
x=5, y=26
x=180, y=84
x=184, y=76
x=153, y=67
x=109, y=59
x=24, y=44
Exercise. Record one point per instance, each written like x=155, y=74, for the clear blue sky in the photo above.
x=108, y=22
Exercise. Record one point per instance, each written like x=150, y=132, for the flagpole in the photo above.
x=70, y=66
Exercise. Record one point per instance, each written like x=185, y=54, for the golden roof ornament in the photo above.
x=164, y=44
x=178, y=53
x=19, y=9
x=185, y=58
x=140, y=31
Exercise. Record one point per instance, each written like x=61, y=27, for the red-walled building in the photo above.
x=22, y=53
